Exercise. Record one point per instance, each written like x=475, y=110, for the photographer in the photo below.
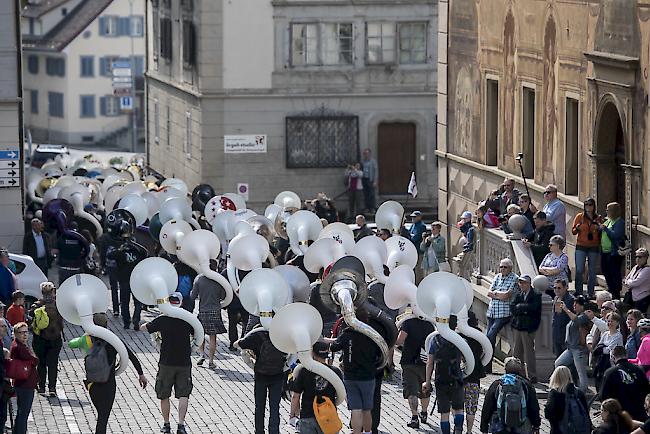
x=434, y=248
x=354, y=176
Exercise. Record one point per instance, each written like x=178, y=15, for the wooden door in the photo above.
x=395, y=156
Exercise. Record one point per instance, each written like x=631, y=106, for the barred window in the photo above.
x=324, y=141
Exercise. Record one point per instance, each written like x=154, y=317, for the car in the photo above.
x=43, y=153
x=29, y=276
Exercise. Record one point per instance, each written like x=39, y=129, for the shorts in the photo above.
x=412, y=379
x=178, y=377
x=450, y=397
x=472, y=391
x=359, y=394
x=309, y=426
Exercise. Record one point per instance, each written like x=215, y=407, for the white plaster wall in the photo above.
x=248, y=44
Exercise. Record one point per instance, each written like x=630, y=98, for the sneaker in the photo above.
x=41, y=390
x=116, y=314
x=211, y=365
x=201, y=361
x=181, y=429
x=52, y=393
x=136, y=327
x=166, y=428
x=423, y=417
x=414, y=423
x=127, y=326
x=232, y=348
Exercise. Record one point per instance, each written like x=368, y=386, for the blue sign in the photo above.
x=121, y=64
x=12, y=154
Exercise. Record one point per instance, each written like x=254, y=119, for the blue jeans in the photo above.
x=577, y=358
x=25, y=398
x=494, y=326
x=581, y=258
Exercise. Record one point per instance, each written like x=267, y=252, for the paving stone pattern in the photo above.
x=222, y=400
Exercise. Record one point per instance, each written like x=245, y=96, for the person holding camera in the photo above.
x=585, y=227
x=434, y=248
x=354, y=176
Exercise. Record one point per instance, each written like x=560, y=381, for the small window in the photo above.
x=492, y=122
x=137, y=26
x=108, y=25
x=380, y=43
x=187, y=143
x=33, y=99
x=189, y=43
x=32, y=64
x=337, y=41
x=304, y=44
x=87, y=106
x=55, y=66
x=412, y=43
x=166, y=38
x=156, y=120
x=87, y=66
x=322, y=141
x=572, y=146
x=528, y=130
x=55, y=104
x=109, y=105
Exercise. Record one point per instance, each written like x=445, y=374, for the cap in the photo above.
x=525, y=277
x=467, y=215
x=321, y=349
x=176, y=298
x=416, y=214
x=644, y=323
x=436, y=223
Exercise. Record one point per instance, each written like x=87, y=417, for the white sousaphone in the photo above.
x=177, y=208
x=79, y=197
x=400, y=291
x=341, y=233
x=152, y=281
x=302, y=227
x=401, y=251
x=294, y=330
x=373, y=254
x=137, y=206
x=262, y=292
x=322, y=253
x=298, y=282
x=81, y=296
x=390, y=215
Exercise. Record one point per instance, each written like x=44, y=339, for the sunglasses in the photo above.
x=549, y=192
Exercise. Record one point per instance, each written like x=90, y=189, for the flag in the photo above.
x=413, y=187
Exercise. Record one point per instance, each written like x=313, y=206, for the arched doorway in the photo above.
x=610, y=148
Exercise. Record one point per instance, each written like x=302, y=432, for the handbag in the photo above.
x=326, y=415
x=18, y=369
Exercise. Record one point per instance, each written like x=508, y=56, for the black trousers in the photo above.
x=42, y=264
x=102, y=396
x=115, y=291
x=376, y=403
x=48, y=360
x=272, y=385
x=368, y=194
x=611, y=268
x=235, y=316
x=64, y=274
x=125, y=298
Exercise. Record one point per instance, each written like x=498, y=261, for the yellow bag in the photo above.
x=41, y=320
x=326, y=415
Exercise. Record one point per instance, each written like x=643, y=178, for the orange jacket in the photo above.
x=586, y=227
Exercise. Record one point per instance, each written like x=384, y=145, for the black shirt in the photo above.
x=417, y=331
x=128, y=256
x=479, y=371
x=311, y=385
x=71, y=251
x=175, y=349
x=360, y=355
x=646, y=427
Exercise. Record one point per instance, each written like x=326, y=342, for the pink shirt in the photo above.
x=643, y=355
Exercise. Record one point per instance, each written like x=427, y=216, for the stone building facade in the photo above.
x=563, y=82
x=319, y=80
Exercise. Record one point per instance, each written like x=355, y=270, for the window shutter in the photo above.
x=140, y=26
x=102, y=26
x=62, y=67
x=102, y=106
x=102, y=66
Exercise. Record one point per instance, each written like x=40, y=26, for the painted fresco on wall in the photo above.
x=464, y=82
x=510, y=86
x=617, y=31
x=550, y=122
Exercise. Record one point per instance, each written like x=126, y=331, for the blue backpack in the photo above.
x=184, y=285
x=576, y=418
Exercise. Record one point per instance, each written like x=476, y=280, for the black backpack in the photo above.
x=447, y=363
x=98, y=367
x=270, y=360
x=511, y=402
x=576, y=418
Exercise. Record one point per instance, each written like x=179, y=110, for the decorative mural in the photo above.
x=510, y=86
x=550, y=121
x=464, y=118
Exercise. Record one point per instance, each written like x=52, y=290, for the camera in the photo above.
x=520, y=156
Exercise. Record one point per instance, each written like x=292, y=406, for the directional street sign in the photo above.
x=8, y=164
x=9, y=168
x=121, y=81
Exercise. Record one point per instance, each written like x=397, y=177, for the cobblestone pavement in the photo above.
x=222, y=400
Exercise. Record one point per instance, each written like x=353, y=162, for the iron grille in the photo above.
x=322, y=141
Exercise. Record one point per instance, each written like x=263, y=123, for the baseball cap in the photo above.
x=467, y=215
x=525, y=277
x=321, y=349
x=416, y=214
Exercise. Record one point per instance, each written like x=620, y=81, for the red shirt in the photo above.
x=22, y=352
x=15, y=314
